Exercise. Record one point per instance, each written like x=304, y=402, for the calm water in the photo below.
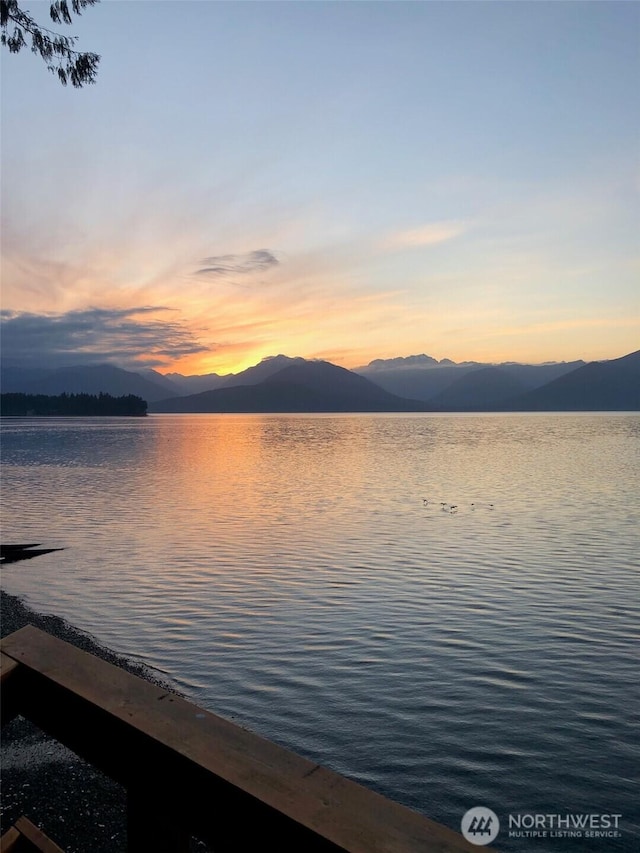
x=285, y=572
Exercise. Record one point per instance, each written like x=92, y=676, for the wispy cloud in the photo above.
x=426, y=235
x=223, y=266
x=95, y=335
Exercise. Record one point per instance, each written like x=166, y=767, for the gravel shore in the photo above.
x=76, y=806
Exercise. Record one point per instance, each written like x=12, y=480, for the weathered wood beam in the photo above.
x=7, y=667
x=187, y=767
x=9, y=676
x=9, y=840
x=25, y=837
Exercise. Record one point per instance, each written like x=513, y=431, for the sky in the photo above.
x=342, y=180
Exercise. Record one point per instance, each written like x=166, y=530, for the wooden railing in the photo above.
x=24, y=837
x=188, y=772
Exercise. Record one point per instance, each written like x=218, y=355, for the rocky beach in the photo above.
x=79, y=808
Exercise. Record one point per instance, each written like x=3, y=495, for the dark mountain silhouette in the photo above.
x=194, y=384
x=251, y=376
x=424, y=381
x=93, y=379
x=487, y=386
x=283, y=384
x=14, y=378
x=422, y=361
x=161, y=381
x=304, y=386
x=149, y=384
x=418, y=383
x=327, y=378
x=263, y=370
x=535, y=375
x=599, y=386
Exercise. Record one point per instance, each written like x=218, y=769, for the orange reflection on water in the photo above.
x=268, y=474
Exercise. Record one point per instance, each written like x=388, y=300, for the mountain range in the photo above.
x=415, y=383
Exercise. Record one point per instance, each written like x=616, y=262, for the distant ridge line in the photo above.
x=281, y=383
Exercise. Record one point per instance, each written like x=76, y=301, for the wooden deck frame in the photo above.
x=189, y=772
x=24, y=837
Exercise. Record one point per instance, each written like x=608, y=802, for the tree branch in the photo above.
x=72, y=65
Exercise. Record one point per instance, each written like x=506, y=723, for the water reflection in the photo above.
x=287, y=572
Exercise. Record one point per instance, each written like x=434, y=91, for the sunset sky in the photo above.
x=346, y=180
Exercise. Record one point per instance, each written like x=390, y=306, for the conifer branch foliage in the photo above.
x=57, y=51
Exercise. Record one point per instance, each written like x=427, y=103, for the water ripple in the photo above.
x=287, y=573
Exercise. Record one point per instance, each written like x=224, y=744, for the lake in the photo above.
x=443, y=607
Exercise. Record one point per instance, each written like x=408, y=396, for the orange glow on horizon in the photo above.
x=198, y=365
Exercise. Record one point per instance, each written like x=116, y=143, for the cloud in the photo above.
x=426, y=235
x=131, y=336
x=243, y=264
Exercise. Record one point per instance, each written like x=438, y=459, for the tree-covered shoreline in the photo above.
x=65, y=405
